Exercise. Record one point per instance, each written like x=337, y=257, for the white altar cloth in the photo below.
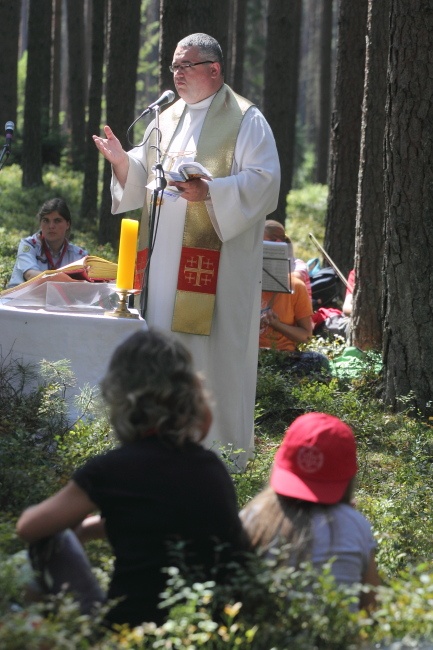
x=87, y=340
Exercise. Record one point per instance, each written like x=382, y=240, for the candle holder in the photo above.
x=122, y=310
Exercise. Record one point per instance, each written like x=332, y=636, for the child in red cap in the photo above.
x=308, y=503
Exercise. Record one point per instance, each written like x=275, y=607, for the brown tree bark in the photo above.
x=255, y=46
x=346, y=134
x=281, y=88
x=408, y=287
x=367, y=302
x=325, y=76
x=9, y=29
x=56, y=66
x=148, y=72
x=183, y=17
x=89, y=197
x=236, y=49
x=124, y=39
x=38, y=44
x=77, y=80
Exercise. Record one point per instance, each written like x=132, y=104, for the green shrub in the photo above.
x=39, y=450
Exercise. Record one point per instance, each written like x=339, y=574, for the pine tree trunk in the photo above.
x=367, y=317
x=281, y=88
x=183, y=17
x=9, y=29
x=346, y=134
x=408, y=290
x=325, y=59
x=89, y=198
x=38, y=44
x=124, y=40
x=77, y=80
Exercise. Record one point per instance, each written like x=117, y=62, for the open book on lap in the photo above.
x=89, y=268
x=92, y=269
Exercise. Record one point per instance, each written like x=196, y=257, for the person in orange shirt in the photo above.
x=286, y=320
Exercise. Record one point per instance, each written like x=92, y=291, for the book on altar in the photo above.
x=89, y=268
x=188, y=171
x=276, y=267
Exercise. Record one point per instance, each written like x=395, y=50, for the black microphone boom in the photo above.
x=166, y=98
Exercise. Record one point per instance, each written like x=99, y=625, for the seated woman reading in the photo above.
x=48, y=248
x=159, y=487
x=307, y=508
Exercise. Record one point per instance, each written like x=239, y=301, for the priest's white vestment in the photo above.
x=238, y=207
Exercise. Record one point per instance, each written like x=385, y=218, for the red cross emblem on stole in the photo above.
x=198, y=270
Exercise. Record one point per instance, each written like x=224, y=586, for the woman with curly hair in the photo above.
x=159, y=487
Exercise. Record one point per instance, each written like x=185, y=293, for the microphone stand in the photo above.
x=160, y=185
x=4, y=154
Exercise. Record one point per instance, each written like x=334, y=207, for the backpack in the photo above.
x=325, y=285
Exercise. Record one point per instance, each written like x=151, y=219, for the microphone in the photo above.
x=9, y=128
x=166, y=98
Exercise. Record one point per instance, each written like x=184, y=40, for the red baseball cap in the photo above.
x=316, y=460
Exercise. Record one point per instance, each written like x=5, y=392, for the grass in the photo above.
x=38, y=452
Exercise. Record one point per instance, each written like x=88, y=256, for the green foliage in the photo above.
x=261, y=609
x=306, y=212
x=33, y=428
x=19, y=207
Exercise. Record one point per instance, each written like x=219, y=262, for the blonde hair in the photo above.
x=272, y=518
x=151, y=388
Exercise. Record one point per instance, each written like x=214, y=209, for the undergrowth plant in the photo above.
x=264, y=608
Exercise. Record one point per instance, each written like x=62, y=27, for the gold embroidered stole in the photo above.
x=198, y=268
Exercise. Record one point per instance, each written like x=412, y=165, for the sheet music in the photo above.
x=276, y=267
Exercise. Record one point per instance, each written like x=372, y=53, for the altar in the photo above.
x=86, y=340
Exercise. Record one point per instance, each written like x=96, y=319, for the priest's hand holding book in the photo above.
x=192, y=180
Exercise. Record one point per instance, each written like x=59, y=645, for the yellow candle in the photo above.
x=127, y=254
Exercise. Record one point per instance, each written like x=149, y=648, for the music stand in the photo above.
x=276, y=267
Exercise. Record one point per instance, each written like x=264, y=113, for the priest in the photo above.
x=203, y=265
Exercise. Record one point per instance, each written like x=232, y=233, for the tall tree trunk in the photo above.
x=408, y=288
x=9, y=29
x=183, y=17
x=148, y=67
x=56, y=66
x=124, y=39
x=255, y=46
x=38, y=43
x=281, y=88
x=346, y=134
x=235, y=58
x=325, y=61
x=89, y=197
x=77, y=80
x=49, y=154
x=367, y=318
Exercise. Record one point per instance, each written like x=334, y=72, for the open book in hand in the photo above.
x=187, y=172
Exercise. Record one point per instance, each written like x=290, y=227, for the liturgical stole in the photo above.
x=201, y=247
